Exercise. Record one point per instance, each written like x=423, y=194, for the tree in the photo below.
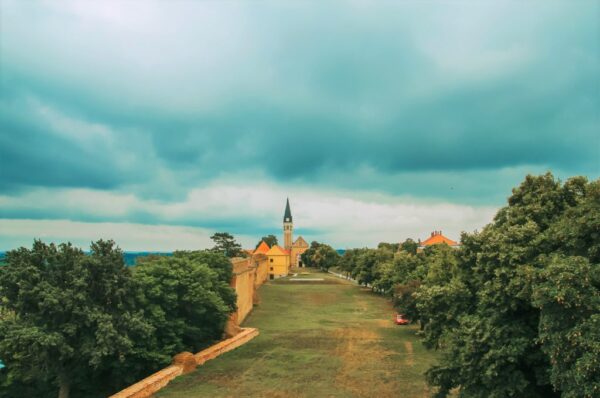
x=307, y=256
x=325, y=257
x=347, y=262
x=565, y=288
x=526, y=289
x=225, y=243
x=187, y=299
x=73, y=318
x=367, y=262
x=270, y=240
x=215, y=261
x=393, y=247
x=320, y=255
x=409, y=246
x=405, y=301
x=567, y=293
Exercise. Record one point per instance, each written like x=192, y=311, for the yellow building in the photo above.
x=281, y=259
x=279, y=262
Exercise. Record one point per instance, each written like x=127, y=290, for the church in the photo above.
x=281, y=259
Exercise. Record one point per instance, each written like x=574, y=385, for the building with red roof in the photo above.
x=438, y=238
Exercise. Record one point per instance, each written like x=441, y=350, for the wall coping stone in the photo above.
x=151, y=384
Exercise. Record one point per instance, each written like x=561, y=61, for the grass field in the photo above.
x=322, y=339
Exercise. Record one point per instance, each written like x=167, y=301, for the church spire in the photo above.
x=288, y=226
x=287, y=217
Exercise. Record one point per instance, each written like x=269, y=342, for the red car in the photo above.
x=401, y=320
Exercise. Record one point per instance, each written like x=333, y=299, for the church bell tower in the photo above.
x=288, y=227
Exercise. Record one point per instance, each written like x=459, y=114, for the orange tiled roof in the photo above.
x=437, y=238
x=262, y=248
x=278, y=251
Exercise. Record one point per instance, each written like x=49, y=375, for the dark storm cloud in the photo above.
x=301, y=94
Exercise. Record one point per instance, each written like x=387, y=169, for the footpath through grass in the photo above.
x=317, y=339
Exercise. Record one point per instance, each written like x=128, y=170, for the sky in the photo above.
x=158, y=123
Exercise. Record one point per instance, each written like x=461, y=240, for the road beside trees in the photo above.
x=515, y=310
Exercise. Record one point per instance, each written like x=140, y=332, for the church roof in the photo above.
x=437, y=238
x=287, y=217
x=262, y=248
x=277, y=251
x=300, y=242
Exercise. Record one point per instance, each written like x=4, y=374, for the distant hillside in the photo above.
x=129, y=257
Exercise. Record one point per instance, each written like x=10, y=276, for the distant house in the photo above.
x=437, y=238
x=279, y=261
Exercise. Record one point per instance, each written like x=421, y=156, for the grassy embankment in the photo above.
x=317, y=339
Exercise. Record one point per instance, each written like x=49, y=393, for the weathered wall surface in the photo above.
x=295, y=252
x=248, y=274
x=153, y=383
x=262, y=269
x=244, y=275
x=279, y=265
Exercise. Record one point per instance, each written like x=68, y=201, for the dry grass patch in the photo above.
x=316, y=340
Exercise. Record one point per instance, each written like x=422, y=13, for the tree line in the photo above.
x=515, y=311
x=86, y=325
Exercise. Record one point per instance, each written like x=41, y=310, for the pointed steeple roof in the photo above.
x=287, y=217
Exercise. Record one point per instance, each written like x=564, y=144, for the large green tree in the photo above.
x=527, y=293
x=307, y=256
x=320, y=255
x=187, y=299
x=72, y=317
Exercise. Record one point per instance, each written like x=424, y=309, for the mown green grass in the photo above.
x=316, y=340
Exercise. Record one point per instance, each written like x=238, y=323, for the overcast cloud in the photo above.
x=380, y=121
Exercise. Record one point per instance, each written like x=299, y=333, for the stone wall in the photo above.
x=262, y=269
x=296, y=251
x=158, y=380
x=244, y=283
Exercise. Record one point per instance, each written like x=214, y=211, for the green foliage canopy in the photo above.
x=320, y=255
x=225, y=243
x=74, y=316
x=88, y=326
x=530, y=286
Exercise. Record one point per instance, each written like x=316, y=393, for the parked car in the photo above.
x=401, y=320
